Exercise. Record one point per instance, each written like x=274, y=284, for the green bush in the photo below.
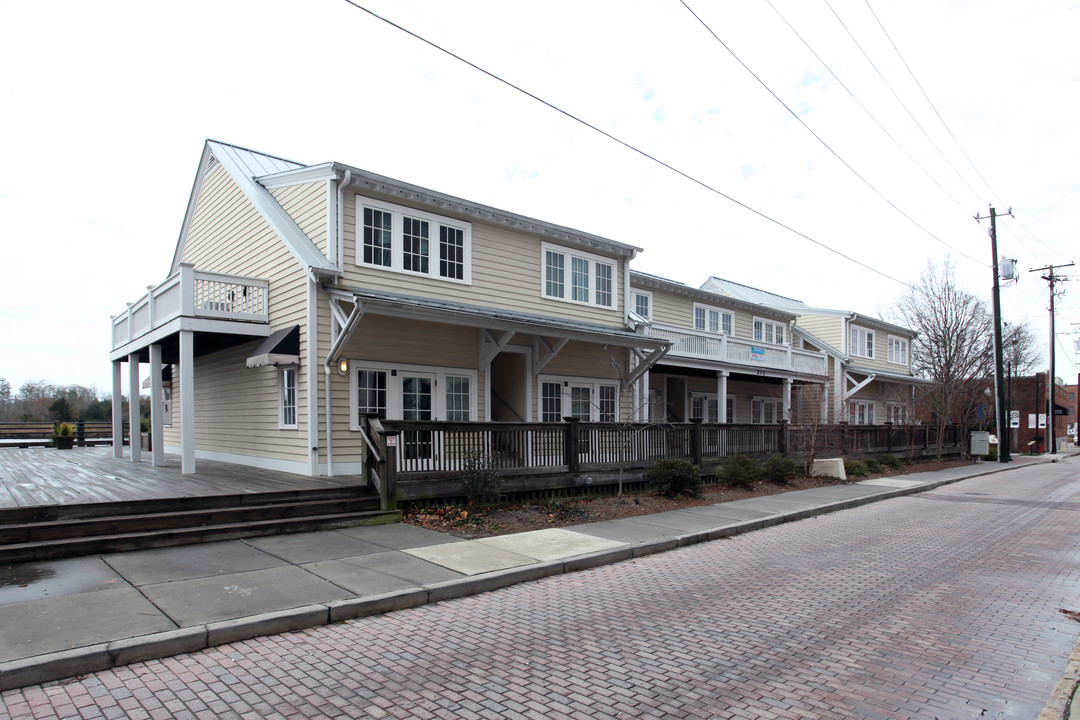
x=872, y=465
x=739, y=471
x=992, y=457
x=855, y=468
x=673, y=478
x=891, y=461
x=480, y=480
x=779, y=469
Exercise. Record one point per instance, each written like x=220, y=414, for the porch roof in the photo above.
x=888, y=376
x=479, y=316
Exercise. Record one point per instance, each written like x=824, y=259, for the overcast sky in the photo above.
x=106, y=107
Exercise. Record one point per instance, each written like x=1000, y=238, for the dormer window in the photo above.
x=414, y=242
x=577, y=277
x=860, y=342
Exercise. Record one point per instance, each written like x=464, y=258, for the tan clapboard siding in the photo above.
x=506, y=273
x=678, y=310
x=228, y=235
x=307, y=205
x=589, y=360
x=827, y=329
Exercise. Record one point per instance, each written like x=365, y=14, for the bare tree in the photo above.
x=954, y=346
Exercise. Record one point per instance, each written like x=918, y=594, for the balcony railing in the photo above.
x=193, y=293
x=754, y=355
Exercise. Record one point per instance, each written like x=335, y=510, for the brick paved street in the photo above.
x=938, y=605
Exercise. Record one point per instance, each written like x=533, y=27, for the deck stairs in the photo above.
x=58, y=531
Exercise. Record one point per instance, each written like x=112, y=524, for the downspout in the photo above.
x=339, y=261
x=312, y=376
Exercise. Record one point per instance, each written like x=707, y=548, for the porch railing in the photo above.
x=421, y=451
x=723, y=348
x=193, y=293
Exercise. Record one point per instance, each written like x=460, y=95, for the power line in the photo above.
x=624, y=143
x=902, y=104
x=864, y=108
x=817, y=137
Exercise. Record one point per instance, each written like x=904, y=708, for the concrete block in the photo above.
x=492, y=581
x=376, y=604
x=54, y=666
x=599, y=558
x=829, y=467
x=158, y=645
x=656, y=546
x=272, y=623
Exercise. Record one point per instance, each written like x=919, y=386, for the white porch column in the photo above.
x=838, y=391
x=787, y=399
x=117, y=409
x=157, y=437
x=133, y=407
x=721, y=396
x=825, y=390
x=187, y=402
x=645, y=408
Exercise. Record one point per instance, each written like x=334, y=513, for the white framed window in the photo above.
x=414, y=242
x=861, y=412
x=577, y=277
x=897, y=413
x=704, y=406
x=711, y=319
x=586, y=399
x=287, y=397
x=767, y=331
x=898, y=350
x=642, y=303
x=411, y=392
x=731, y=408
x=766, y=410
x=860, y=342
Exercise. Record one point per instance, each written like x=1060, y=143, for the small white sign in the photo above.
x=1031, y=421
x=391, y=441
x=1042, y=420
x=1014, y=418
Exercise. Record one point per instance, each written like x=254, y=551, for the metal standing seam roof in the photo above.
x=531, y=322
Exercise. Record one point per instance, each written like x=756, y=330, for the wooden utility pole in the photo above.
x=1000, y=412
x=1051, y=383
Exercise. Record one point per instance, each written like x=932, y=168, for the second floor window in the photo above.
x=643, y=304
x=404, y=240
x=898, y=350
x=767, y=331
x=861, y=342
x=710, y=319
x=577, y=277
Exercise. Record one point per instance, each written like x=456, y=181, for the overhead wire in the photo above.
x=817, y=137
x=627, y=145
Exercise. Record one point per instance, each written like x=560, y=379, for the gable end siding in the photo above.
x=306, y=204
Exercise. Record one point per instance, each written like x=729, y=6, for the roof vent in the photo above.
x=211, y=163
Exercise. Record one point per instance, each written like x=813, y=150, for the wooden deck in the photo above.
x=46, y=476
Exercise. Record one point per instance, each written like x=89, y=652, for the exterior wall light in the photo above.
x=343, y=367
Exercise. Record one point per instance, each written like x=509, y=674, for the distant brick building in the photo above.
x=1074, y=406
x=1030, y=396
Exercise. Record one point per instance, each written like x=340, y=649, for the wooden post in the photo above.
x=572, y=444
x=696, y=442
x=785, y=428
x=389, y=495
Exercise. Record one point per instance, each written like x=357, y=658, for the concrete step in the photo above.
x=142, y=540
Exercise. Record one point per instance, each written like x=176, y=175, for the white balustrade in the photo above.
x=723, y=348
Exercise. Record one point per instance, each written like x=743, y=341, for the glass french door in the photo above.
x=417, y=403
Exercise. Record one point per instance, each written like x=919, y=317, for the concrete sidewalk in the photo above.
x=68, y=617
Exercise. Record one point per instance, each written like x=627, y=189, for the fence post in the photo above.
x=888, y=437
x=572, y=444
x=785, y=428
x=389, y=498
x=695, y=442
x=843, y=436
x=80, y=433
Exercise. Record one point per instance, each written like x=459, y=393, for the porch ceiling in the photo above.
x=205, y=344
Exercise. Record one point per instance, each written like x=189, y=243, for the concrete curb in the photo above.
x=104, y=656
x=1059, y=707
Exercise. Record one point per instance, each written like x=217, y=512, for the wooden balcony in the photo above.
x=750, y=354
x=192, y=293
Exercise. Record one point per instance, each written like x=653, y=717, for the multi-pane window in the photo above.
x=607, y=403
x=703, y=406
x=897, y=413
x=766, y=411
x=412, y=392
x=400, y=239
x=603, y=285
x=730, y=408
x=577, y=277
x=457, y=398
x=370, y=393
x=378, y=243
x=861, y=412
x=287, y=399
x=415, y=245
x=768, y=332
x=898, y=350
x=551, y=402
x=643, y=304
x=711, y=319
x=452, y=253
x=860, y=342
